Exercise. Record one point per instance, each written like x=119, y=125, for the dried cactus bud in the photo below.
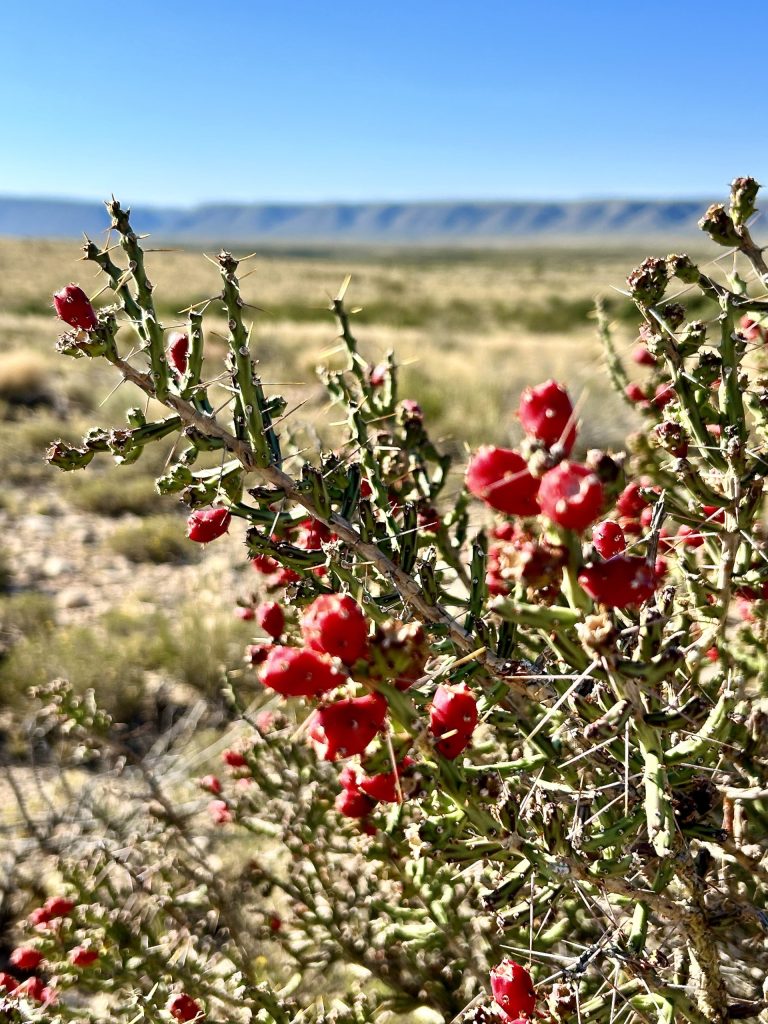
x=648, y=282
x=743, y=195
x=718, y=224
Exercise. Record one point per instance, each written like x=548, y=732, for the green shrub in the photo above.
x=158, y=539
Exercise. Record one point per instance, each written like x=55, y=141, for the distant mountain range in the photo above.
x=439, y=223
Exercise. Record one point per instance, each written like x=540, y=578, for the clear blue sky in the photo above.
x=171, y=102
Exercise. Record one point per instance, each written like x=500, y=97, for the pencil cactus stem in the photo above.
x=152, y=331
x=250, y=395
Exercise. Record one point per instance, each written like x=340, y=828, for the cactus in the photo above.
x=573, y=735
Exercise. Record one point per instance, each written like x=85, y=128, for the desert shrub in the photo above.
x=156, y=539
x=537, y=701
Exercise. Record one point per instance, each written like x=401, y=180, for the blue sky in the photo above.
x=170, y=102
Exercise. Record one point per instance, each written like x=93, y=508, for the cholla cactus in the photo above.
x=566, y=713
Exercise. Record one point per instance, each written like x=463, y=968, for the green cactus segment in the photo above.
x=250, y=400
x=147, y=322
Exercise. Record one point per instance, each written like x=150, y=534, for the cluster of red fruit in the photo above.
x=336, y=649
x=28, y=958
x=569, y=495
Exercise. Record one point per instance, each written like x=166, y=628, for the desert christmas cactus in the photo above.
x=543, y=697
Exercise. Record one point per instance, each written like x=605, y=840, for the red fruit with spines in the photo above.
x=353, y=804
x=377, y=375
x=73, y=306
x=631, y=502
x=663, y=395
x=246, y=613
x=178, y=351
x=184, y=1008
x=26, y=958
x=642, y=356
x=299, y=672
x=714, y=513
x=712, y=654
x=56, y=906
x=312, y=535
x=82, y=956
x=210, y=784
x=620, y=582
x=690, y=537
x=452, y=719
x=500, y=477
x=206, y=524
x=383, y=786
x=271, y=618
x=36, y=989
x=608, y=538
x=571, y=495
x=512, y=988
x=546, y=413
x=334, y=624
x=233, y=758
x=7, y=982
x=636, y=394
x=220, y=812
x=347, y=727
x=275, y=923
x=265, y=565
x=646, y=516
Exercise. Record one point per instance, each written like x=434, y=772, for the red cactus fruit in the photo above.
x=210, y=784
x=353, y=804
x=82, y=956
x=73, y=306
x=608, y=538
x=246, y=613
x=631, y=502
x=334, y=624
x=347, y=727
x=427, y=519
x=452, y=719
x=270, y=617
x=35, y=988
x=383, y=786
x=622, y=581
x=7, y=982
x=513, y=991
x=233, y=758
x=642, y=356
x=690, y=537
x=663, y=395
x=178, y=351
x=206, y=524
x=635, y=393
x=26, y=958
x=312, y=535
x=220, y=812
x=571, y=495
x=500, y=477
x=184, y=1008
x=264, y=564
x=299, y=672
x=713, y=513
x=56, y=906
x=546, y=413
x=377, y=375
